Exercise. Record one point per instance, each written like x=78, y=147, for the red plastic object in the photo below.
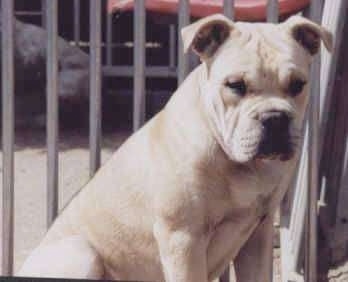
x=245, y=10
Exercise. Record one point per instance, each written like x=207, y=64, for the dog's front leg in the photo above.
x=254, y=261
x=183, y=255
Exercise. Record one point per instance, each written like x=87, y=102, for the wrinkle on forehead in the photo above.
x=261, y=52
x=271, y=36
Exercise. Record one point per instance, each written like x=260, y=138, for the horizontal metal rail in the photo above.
x=28, y=13
x=149, y=71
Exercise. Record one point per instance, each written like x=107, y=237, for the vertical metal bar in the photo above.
x=52, y=110
x=272, y=11
x=43, y=13
x=7, y=136
x=333, y=13
x=95, y=86
x=313, y=151
x=139, y=64
x=109, y=39
x=172, y=46
x=77, y=15
x=306, y=263
x=183, y=59
x=229, y=9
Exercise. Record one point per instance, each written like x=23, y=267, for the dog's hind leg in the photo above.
x=71, y=257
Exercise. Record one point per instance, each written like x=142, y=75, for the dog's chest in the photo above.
x=244, y=193
x=234, y=213
x=229, y=230
x=238, y=211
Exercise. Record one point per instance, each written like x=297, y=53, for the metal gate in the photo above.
x=139, y=76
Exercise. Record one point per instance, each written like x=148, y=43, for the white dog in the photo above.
x=197, y=186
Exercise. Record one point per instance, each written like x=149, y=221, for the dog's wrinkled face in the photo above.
x=256, y=86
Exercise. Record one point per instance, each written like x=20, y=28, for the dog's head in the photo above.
x=255, y=88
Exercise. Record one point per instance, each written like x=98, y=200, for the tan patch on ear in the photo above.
x=309, y=34
x=209, y=39
x=206, y=35
x=308, y=38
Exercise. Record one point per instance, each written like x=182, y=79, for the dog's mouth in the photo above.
x=276, y=141
x=271, y=140
x=276, y=146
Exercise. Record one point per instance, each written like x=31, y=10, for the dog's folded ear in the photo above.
x=309, y=34
x=206, y=35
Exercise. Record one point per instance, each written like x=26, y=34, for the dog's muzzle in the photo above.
x=276, y=140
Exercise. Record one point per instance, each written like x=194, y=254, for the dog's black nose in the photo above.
x=275, y=121
x=276, y=134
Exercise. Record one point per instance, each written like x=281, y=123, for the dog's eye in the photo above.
x=296, y=87
x=238, y=87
